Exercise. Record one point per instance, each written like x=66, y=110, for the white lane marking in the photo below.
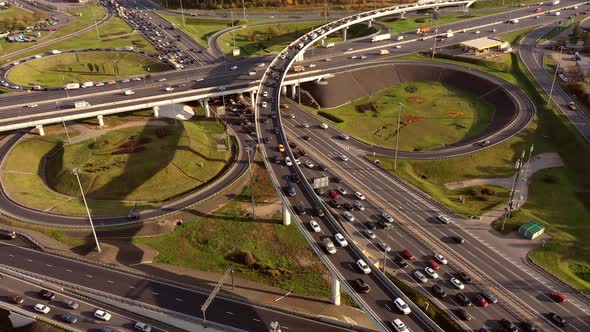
x=68, y=270
x=282, y=297
x=388, y=308
x=155, y=293
x=110, y=281
x=89, y=276
x=48, y=265
x=229, y=313
x=179, y=300
x=256, y=320
x=132, y=287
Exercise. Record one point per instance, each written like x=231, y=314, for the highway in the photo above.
x=185, y=299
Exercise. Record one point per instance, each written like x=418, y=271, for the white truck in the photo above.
x=81, y=103
x=87, y=84
x=377, y=38
x=555, y=3
x=56, y=52
x=71, y=86
x=129, y=92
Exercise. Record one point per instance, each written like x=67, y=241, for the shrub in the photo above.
x=330, y=117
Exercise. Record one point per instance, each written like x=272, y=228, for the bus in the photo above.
x=175, y=64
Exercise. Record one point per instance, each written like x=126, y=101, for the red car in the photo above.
x=433, y=264
x=407, y=254
x=558, y=297
x=480, y=301
x=334, y=194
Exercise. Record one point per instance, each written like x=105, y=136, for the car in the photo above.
x=16, y=299
x=342, y=191
x=46, y=295
x=387, y=217
x=480, y=301
x=233, y=67
x=68, y=318
x=442, y=218
x=42, y=308
x=328, y=59
x=370, y=225
x=292, y=145
x=297, y=161
x=430, y=271
x=334, y=203
x=281, y=148
x=440, y=258
x=319, y=212
x=402, y=306
x=400, y=262
x=300, y=209
x=288, y=161
x=420, y=276
x=70, y=304
x=139, y=326
x=384, y=246
x=348, y=206
x=398, y=325
x=489, y=296
x=309, y=164
x=458, y=239
x=363, y=266
x=343, y=158
x=125, y=80
x=457, y=283
x=528, y=327
x=266, y=140
x=314, y=226
x=99, y=84
x=463, y=314
x=508, y=325
x=32, y=105
x=439, y=291
x=251, y=72
x=407, y=254
x=169, y=88
x=305, y=125
x=558, y=297
x=359, y=206
x=340, y=239
x=354, y=57
x=322, y=167
x=284, y=105
x=398, y=46
x=359, y=195
x=477, y=32
x=311, y=65
x=277, y=160
x=8, y=235
x=263, y=104
x=463, y=299
x=102, y=315
x=433, y=264
x=337, y=179
x=333, y=194
x=464, y=277
x=348, y=216
x=557, y=319
x=305, y=137
x=362, y=286
x=369, y=233
x=344, y=136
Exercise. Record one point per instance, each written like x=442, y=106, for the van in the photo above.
x=129, y=92
x=398, y=325
x=329, y=245
x=291, y=189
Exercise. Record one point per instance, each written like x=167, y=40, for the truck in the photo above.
x=555, y=3
x=538, y=10
x=298, y=68
x=556, y=13
x=71, y=86
x=449, y=34
x=423, y=30
x=87, y=84
x=399, y=37
x=56, y=52
x=81, y=103
x=328, y=45
x=377, y=38
x=129, y=92
x=383, y=52
x=572, y=106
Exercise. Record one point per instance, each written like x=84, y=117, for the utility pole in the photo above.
x=299, y=86
x=182, y=13
x=94, y=19
x=508, y=210
x=64, y=122
x=248, y=150
x=233, y=31
x=76, y=172
x=399, y=116
x=434, y=17
x=561, y=48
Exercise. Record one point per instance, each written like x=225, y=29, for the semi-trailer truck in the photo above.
x=71, y=86
x=381, y=37
x=423, y=30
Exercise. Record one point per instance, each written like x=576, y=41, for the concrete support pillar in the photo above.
x=286, y=215
x=323, y=41
x=41, y=130
x=253, y=97
x=100, y=121
x=206, y=107
x=402, y=15
x=370, y=23
x=284, y=88
x=335, y=297
x=156, y=111
x=345, y=33
x=300, y=56
x=293, y=91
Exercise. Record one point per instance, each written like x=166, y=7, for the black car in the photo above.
x=508, y=325
x=384, y=224
x=277, y=160
x=458, y=239
x=334, y=203
x=463, y=314
x=489, y=296
x=274, y=131
x=362, y=286
x=464, y=278
x=528, y=327
x=320, y=192
x=557, y=319
x=70, y=304
x=293, y=145
x=348, y=206
x=302, y=152
x=300, y=209
x=463, y=299
x=439, y=291
x=69, y=318
x=305, y=137
x=7, y=235
x=319, y=212
x=295, y=178
x=46, y=295
x=401, y=262
x=322, y=167
x=370, y=225
x=266, y=140
x=337, y=179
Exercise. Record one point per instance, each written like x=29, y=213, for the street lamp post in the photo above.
x=399, y=117
x=244, y=10
x=561, y=48
x=248, y=150
x=385, y=251
x=76, y=172
x=63, y=121
x=173, y=108
x=182, y=13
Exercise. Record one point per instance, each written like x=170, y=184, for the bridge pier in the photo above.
x=100, y=121
x=41, y=130
x=156, y=111
x=286, y=215
x=402, y=15
x=299, y=56
x=253, y=98
x=323, y=41
x=293, y=91
x=345, y=33
x=205, y=103
x=370, y=23
x=335, y=296
x=284, y=88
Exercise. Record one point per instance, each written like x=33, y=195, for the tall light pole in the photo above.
x=385, y=251
x=94, y=19
x=399, y=117
x=182, y=13
x=508, y=210
x=76, y=172
x=523, y=181
x=244, y=9
x=173, y=108
x=561, y=48
x=233, y=30
x=64, y=122
x=434, y=17
x=248, y=150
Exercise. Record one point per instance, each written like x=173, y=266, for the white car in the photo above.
x=387, y=217
x=343, y=158
x=341, y=240
x=442, y=218
x=264, y=104
x=305, y=125
x=440, y=258
x=402, y=306
x=359, y=206
x=328, y=59
x=125, y=80
x=139, y=326
x=98, y=84
x=477, y=32
x=344, y=136
x=260, y=64
x=32, y=105
x=233, y=67
x=169, y=88
x=398, y=325
x=457, y=283
x=252, y=73
x=430, y=271
x=288, y=161
x=102, y=315
x=363, y=266
x=348, y=216
x=354, y=57
x=198, y=79
x=265, y=94
x=309, y=164
x=136, y=79
x=398, y=46
x=161, y=80
x=42, y=308
x=363, y=56
x=359, y=195
x=342, y=191
x=384, y=246
x=311, y=65
x=298, y=162
x=420, y=276
x=369, y=233
x=314, y=225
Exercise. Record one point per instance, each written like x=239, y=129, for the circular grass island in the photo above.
x=57, y=70
x=433, y=115
x=142, y=166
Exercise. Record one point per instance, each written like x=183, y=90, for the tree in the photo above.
x=96, y=67
x=90, y=67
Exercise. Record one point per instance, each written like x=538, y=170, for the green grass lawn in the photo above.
x=60, y=69
x=480, y=4
x=433, y=115
x=200, y=29
x=169, y=165
x=413, y=23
